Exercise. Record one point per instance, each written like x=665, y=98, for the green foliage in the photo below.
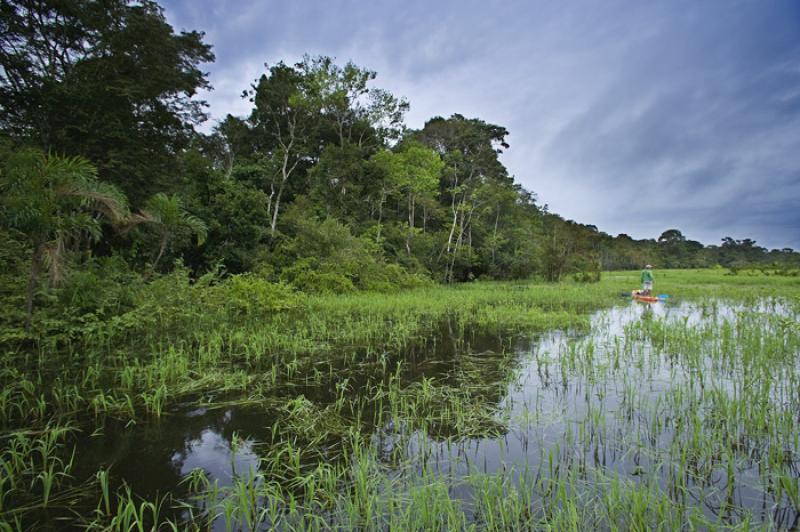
x=324, y=256
x=247, y=295
x=320, y=187
x=58, y=204
x=312, y=280
x=238, y=226
x=358, y=113
x=175, y=304
x=47, y=197
x=305, y=215
x=110, y=81
x=13, y=267
x=167, y=221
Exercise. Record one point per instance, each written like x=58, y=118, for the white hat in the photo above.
x=648, y=266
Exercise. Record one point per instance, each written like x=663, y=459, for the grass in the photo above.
x=383, y=415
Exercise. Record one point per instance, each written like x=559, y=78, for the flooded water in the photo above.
x=561, y=397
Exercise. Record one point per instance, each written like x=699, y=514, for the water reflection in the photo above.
x=212, y=453
x=542, y=394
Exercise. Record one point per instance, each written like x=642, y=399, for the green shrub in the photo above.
x=321, y=282
x=252, y=296
x=323, y=256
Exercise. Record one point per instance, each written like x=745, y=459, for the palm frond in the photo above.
x=196, y=226
x=64, y=170
x=101, y=197
x=136, y=219
x=168, y=214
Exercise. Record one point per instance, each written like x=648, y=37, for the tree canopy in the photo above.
x=110, y=81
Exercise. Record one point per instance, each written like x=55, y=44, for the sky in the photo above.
x=633, y=116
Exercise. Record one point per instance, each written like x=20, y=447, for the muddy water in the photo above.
x=543, y=410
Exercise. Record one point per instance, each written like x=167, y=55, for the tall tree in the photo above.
x=413, y=172
x=469, y=149
x=110, y=81
x=281, y=122
x=356, y=112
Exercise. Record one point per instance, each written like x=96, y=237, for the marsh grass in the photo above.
x=381, y=414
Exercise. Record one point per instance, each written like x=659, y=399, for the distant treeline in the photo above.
x=321, y=187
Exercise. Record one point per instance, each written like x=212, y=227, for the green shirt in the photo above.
x=647, y=275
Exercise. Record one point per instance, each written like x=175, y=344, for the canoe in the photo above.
x=638, y=296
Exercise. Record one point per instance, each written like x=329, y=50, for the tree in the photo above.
x=166, y=217
x=501, y=200
x=108, y=80
x=357, y=113
x=469, y=149
x=238, y=224
x=281, y=121
x=671, y=236
x=674, y=248
x=57, y=203
x=317, y=115
x=413, y=172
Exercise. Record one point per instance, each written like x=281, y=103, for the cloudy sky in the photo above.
x=633, y=116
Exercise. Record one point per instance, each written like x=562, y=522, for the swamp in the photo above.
x=245, y=285
x=489, y=405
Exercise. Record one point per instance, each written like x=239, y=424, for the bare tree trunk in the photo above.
x=275, y=211
x=228, y=165
x=411, y=206
x=459, y=240
x=380, y=215
x=270, y=198
x=286, y=171
x=494, y=238
x=447, y=269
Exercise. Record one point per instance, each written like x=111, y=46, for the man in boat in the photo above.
x=647, y=280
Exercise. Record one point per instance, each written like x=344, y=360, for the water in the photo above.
x=544, y=396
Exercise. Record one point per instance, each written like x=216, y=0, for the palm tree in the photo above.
x=168, y=218
x=57, y=203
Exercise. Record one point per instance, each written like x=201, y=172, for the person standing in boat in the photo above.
x=647, y=280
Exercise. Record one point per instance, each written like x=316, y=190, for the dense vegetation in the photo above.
x=322, y=188
x=292, y=261
x=328, y=381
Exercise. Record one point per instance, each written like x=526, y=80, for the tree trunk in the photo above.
x=270, y=198
x=275, y=211
x=494, y=240
x=380, y=216
x=459, y=240
x=286, y=171
x=411, y=206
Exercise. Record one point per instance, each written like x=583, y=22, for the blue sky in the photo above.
x=633, y=116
